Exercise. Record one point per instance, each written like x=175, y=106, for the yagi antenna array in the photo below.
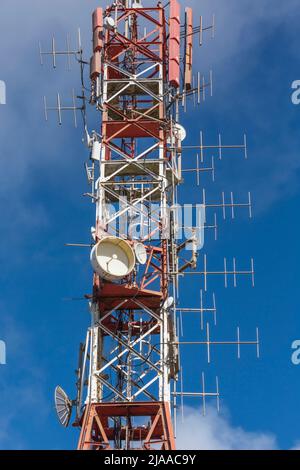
x=204, y=394
x=220, y=147
x=59, y=108
x=68, y=52
x=224, y=205
x=234, y=273
x=203, y=310
x=201, y=87
x=208, y=342
x=199, y=30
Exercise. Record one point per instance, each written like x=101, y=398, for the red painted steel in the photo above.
x=188, y=49
x=174, y=48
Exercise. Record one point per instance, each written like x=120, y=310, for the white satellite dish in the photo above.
x=180, y=131
x=168, y=303
x=112, y=258
x=140, y=253
x=63, y=406
x=109, y=22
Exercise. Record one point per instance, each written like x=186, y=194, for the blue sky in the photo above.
x=255, y=59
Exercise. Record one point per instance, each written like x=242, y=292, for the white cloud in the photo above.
x=215, y=432
x=296, y=446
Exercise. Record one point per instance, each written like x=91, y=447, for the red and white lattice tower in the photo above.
x=132, y=357
x=141, y=73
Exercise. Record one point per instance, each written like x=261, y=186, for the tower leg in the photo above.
x=125, y=426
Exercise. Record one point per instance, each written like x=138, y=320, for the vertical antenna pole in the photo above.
x=205, y=273
x=232, y=205
x=220, y=147
x=213, y=168
x=252, y=272
x=215, y=309
x=208, y=342
x=225, y=273
x=245, y=145
x=201, y=31
x=257, y=344
x=223, y=205
x=201, y=309
x=238, y=343
x=203, y=395
x=53, y=53
x=218, y=394
x=74, y=108
x=201, y=147
x=234, y=273
x=250, y=205
x=59, y=109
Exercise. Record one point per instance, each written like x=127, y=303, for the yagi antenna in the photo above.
x=232, y=204
x=201, y=29
x=208, y=342
x=212, y=310
x=226, y=273
x=199, y=90
x=204, y=394
x=198, y=170
x=59, y=108
x=220, y=147
x=68, y=52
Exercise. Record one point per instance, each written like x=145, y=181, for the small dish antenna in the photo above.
x=109, y=23
x=140, y=253
x=168, y=303
x=63, y=406
x=181, y=132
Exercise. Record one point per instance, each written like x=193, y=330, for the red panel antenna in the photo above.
x=98, y=30
x=174, y=57
x=188, y=60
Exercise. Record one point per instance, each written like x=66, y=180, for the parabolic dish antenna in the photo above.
x=63, y=406
x=168, y=303
x=181, y=132
x=112, y=258
x=140, y=253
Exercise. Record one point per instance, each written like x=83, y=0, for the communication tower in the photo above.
x=129, y=377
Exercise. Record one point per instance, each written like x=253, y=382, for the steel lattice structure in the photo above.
x=132, y=357
x=129, y=364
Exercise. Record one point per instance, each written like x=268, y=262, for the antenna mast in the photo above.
x=129, y=367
